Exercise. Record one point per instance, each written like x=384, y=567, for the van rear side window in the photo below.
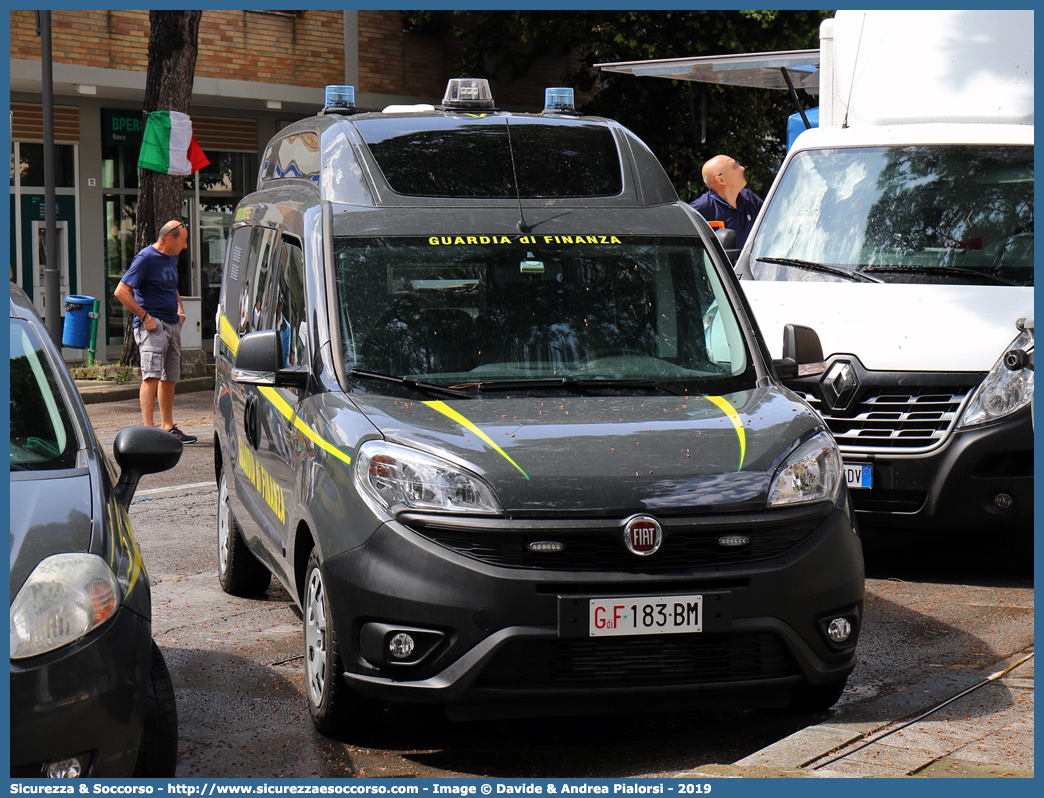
x=458, y=309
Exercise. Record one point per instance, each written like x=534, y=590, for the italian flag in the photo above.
x=167, y=145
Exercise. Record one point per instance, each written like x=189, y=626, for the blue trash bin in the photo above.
x=76, y=333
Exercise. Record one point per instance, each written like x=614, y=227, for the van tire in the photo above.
x=158, y=750
x=1020, y=547
x=330, y=699
x=817, y=697
x=239, y=571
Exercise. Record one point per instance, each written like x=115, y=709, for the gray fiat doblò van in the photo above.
x=492, y=408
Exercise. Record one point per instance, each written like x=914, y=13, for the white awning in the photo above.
x=760, y=70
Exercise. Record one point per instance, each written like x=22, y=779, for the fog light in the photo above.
x=1003, y=501
x=401, y=646
x=63, y=769
x=839, y=630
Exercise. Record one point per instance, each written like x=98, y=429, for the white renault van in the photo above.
x=902, y=232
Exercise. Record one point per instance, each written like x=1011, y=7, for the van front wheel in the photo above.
x=328, y=695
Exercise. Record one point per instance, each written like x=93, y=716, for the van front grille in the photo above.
x=888, y=501
x=913, y=419
x=638, y=661
x=688, y=543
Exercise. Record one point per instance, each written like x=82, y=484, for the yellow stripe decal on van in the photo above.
x=446, y=410
x=737, y=422
x=280, y=404
x=228, y=335
x=231, y=340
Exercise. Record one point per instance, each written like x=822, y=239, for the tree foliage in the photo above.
x=747, y=124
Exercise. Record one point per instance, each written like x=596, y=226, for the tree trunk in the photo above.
x=173, y=44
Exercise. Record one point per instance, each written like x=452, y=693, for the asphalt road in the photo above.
x=237, y=668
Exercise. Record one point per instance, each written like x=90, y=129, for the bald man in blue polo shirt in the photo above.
x=729, y=200
x=149, y=290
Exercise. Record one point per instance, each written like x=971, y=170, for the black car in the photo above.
x=90, y=693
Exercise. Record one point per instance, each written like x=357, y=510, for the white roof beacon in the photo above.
x=467, y=94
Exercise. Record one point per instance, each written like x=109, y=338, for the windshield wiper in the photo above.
x=571, y=384
x=409, y=382
x=812, y=266
x=942, y=270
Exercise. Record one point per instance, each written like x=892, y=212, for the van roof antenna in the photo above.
x=522, y=226
x=851, y=92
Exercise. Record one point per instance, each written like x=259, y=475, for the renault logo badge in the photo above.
x=643, y=535
x=839, y=385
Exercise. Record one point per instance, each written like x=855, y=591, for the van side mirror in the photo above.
x=802, y=353
x=259, y=360
x=140, y=451
x=727, y=238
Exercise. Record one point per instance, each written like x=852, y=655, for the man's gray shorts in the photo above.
x=160, y=350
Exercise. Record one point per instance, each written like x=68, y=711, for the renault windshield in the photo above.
x=934, y=214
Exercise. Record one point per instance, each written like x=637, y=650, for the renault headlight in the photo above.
x=402, y=479
x=64, y=598
x=811, y=473
x=1003, y=392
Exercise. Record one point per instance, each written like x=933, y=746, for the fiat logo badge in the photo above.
x=643, y=535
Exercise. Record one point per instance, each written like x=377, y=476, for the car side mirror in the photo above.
x=259, y=361
x=802, y=353
x=140, y=451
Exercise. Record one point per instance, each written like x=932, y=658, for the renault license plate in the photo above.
x=859, y=475
x=648, y=615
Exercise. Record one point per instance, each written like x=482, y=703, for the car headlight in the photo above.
x=1003, y=392
x=65, y=597
x=401, y=479
x=811, y=473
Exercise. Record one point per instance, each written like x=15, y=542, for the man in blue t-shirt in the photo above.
x=149, y=290
x=729, y=200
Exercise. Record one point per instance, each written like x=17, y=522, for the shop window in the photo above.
x=120, y=167
x=31, y=165
x=230, y=172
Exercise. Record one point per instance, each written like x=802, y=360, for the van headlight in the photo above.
x=64, y=598
x=1003, y=392
x=401, y=479
x=811, y=473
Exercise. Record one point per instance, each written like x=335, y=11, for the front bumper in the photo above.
x=955, y=489
x=518, y=635
x=87, y=698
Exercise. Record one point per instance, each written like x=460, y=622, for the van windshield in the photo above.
x=464, y=310
x=915, y=214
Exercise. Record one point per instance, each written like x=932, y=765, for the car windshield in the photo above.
x=920, y=214
x=488, y=309
x=42, y=436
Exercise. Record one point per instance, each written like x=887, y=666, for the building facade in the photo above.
x=256, y=72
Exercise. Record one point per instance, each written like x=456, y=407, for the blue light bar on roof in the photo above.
x=340, y=97
x=558, y=101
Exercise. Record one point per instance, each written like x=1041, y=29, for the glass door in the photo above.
x=215, y=222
